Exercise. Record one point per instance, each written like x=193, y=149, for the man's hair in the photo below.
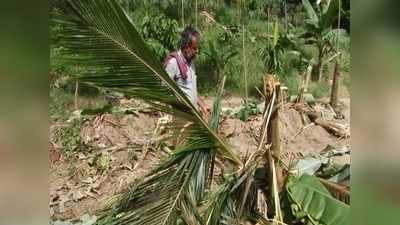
x=186, y=37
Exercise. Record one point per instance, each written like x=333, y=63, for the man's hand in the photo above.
x=203, y=108
x=205, y=111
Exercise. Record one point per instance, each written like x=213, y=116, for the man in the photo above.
x=180, y=67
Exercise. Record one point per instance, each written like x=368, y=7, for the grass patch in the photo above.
x=60, y=104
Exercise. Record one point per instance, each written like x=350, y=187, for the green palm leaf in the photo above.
x=174, y=189
x=101, y=39
x=164, y=195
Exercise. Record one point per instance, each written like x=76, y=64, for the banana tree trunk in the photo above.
x=317, y=68
x=273, y=135
x=273, y=99
x=304, y=85
x=335, y=86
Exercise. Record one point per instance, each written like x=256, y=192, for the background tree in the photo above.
x=320, y=18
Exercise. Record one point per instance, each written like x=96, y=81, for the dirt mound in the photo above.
x=78, y=185
x=296, y=136
x=240, y=135
x=109, y=131
x=306, y=139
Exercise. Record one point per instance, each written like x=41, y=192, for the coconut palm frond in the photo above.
x=100, y=38
x=162, y=196
x=172, y=191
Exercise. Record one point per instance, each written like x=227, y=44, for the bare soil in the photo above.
x=77, y=187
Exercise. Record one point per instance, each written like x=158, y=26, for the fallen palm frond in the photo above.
x=100, y=38
x=173, y=191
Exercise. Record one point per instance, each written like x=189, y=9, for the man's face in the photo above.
x=191, y=51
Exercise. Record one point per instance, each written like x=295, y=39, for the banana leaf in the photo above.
x=314, y=200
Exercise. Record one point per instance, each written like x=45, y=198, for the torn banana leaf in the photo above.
x=314, y=200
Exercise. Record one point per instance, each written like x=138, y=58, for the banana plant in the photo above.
x=217, y=57
x=319, y=33
x=277, y=47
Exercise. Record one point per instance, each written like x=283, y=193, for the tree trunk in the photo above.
x=317, y=68
x=335, y=86
x=183, y=15
x=76, y=95
x=196, y=15
x=273, y=135
x=335, y=128
x=304, y=85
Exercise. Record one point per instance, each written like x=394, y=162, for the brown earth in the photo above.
x=77, y=187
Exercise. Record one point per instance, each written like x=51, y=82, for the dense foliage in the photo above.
x=281, y=37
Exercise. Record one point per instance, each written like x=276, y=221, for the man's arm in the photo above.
x=172, y=68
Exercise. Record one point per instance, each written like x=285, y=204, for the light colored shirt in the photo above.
x=188, y=86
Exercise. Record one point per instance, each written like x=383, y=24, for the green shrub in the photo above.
x=319, y=89
x=292, y=83
x=161, y=34
x=69, y=138
x=59, y=104
x=227, y=16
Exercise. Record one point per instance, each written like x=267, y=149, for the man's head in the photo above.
x=189, y=43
